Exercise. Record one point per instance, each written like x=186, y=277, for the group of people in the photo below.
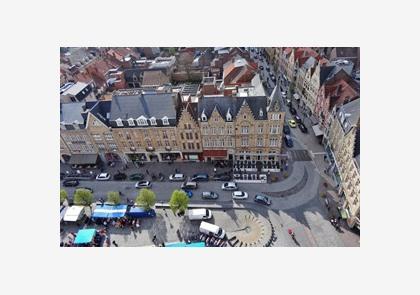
x=122, y=223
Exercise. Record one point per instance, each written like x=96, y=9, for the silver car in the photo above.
x=229, y=186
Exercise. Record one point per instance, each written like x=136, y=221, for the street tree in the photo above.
x=114, y=197
x=146, y=198
x=63, y=196
x=179, y=202
x=83, y=197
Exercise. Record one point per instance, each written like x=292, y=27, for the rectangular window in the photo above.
x=196, y=135
x=167, y=143
x=182, y=136
x=198, y=146
x=183, y=145
x=174, y=143
x=244, y=129
x=244, y=141
x=164, y=134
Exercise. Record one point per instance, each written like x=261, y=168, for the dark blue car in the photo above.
x=289, y=141
x=200, y=177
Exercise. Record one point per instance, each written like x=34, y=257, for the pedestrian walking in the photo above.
x=114, y=243
x=215, y=169
x=154, y=238
x=147, y=172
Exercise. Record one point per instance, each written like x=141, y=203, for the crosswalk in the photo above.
x=300, y=155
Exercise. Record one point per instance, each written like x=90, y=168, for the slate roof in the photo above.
x=147, y=105
x=100, y=109
x=71, y=112
x=233, y=104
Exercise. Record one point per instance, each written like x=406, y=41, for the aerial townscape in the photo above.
x=209, y=146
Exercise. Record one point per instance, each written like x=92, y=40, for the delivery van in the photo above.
x=199, y=214
x=212, y=230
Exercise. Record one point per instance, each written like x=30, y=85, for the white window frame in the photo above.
x=131, y=122
x=119, y=122
x=165, y=121
x=142, y=121
x=153, y=121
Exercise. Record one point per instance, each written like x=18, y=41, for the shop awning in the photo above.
x=84, y=159
x=85, y=236
x=317, y=130
x=109, y=211
x=215, y=153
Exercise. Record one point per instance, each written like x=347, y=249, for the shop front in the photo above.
x=192, y=157
x=170, y=156
x=213, y=155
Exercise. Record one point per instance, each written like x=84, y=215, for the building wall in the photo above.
x=150, y=141
x=189, y=135
x=342, y=146
x=217, y=134
x=78, y=141
x=260, y=138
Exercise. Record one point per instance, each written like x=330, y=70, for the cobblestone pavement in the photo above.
x=248, y=226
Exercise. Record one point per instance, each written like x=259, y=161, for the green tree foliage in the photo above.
x=114, y=197
x=179, y=202
x=83, y=197
x=146, y=198
x=63, y=195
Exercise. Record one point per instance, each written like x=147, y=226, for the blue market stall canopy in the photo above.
x=85, y=236
x=109, y=211
x=138, y=212
x=182, y=244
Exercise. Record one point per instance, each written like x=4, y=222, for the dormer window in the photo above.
x=153, y=121
x=142, y=121
x=165, y=121
x=119, y=122
x=261, y=113
x=228, y=116
x=203, y=117
x=130, y=122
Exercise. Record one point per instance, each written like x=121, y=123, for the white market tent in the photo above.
x=74, y=213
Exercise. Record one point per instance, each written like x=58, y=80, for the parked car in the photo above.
x=189, y=185
x=298, y=119
x=239, y=195
x=292, y=111
x=209, y=195
x=222, y=177
x=303, y=128
x=86, y=188
x=199, y=214
x=262, y=200
x=136, y=176
x=283, y=94
x=120, y=176
x=200, y=177
x=71, y=182
x=103, y=176
x=143, y=184
x=289, y=141
x=229, y=186
x=286, y=129
x=292, y=123
x=289, y=103
x=188, y=192
x=177, y=177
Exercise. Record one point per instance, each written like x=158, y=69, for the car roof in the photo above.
x=178, y=175
x=238, y=192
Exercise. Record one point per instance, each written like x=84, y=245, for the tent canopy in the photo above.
x=109, y=211
x=85, y=236
x=73, y=213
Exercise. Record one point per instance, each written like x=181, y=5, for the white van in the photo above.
x=199, y=214
x=212, y=230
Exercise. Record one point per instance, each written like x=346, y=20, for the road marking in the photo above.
x=320, y=153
